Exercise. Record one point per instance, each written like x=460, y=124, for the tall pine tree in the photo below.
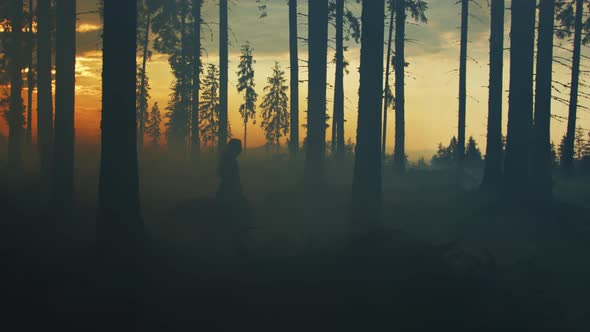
x=246, y=85
x=153, y=126
x=209, y=107
x=275, y=110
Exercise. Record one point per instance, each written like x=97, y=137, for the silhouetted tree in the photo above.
x=462, y=82
x=579, y=143
x=417, y=9
x=143, y=96
x=153, y=126
x=209, y=107
x=520, y=113
x=293, y=79
x=492, y=178
x=65, y=78
x=366, y=185
x=31, y=71
x=315, y=152
x=421, y=164
x=572, y=22
x=554, y=156
x=145, y=10
x=446, y=156
x=13, y=23
x=246, y=84
x=196, y=70
x=542, y=167
x=472, y=154
x=341, y=15
x=173, y=29
x=338, y=116
x=119, y=216
x=387, y=91
x=44, y=89
x=223, y=74
x=560, y=149
x=275, y=117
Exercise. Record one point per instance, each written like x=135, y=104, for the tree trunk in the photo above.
x=568, y=151
x=462, y=83
x=493, y=163
x=399, y=155
x=294, y=79
x=15, y=115
x=338, y=116
x=315, y=153
x=143, y=106
x=522, y=45
x=119, y=219
x=44, y=90
x=542, y=163
x=386, y=90
x=223, y=73
x=366, y=186
x=30, y=77
x=196, y=139
x=64, y=103
x=184, y=84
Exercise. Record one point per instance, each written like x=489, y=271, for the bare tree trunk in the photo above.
x=316, y=109
x=196, y=139
x=143, y=106
x=568, y=153
x=44, y=91
x=30, y=76
x=65, y=79
x=542, y=163
x=223, y=73
x=119, y=217
x=386, y=90
x=366, y=186
x=338, y=116
x=520, y=113
x=462, y=83
x=493, y=163
x=294, y=80
x=246, y=133
x=15, y=115
x=184, y=79
x=399, y=155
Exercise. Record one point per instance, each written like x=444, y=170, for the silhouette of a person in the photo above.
x=232, y=202
x=228, y=170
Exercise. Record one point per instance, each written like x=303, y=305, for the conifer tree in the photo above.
x=417, y=10
x=173, y=27
x=572, y=20
x=143, y=97
x=472, y=153
x=580, y=143
x=246, y=85
x=145, y=10
x=209, y=107
x=153, y=126
x=275, y=121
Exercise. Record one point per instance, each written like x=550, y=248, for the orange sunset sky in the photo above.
x=432, y=77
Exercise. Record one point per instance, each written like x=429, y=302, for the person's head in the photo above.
x=233, y=148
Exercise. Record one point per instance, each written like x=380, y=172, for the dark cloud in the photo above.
x=88, y=42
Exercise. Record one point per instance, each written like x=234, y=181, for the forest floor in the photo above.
x=448, y=257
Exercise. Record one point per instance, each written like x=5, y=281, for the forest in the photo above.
x=246, y=187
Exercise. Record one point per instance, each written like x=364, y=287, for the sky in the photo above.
x=432, y=75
